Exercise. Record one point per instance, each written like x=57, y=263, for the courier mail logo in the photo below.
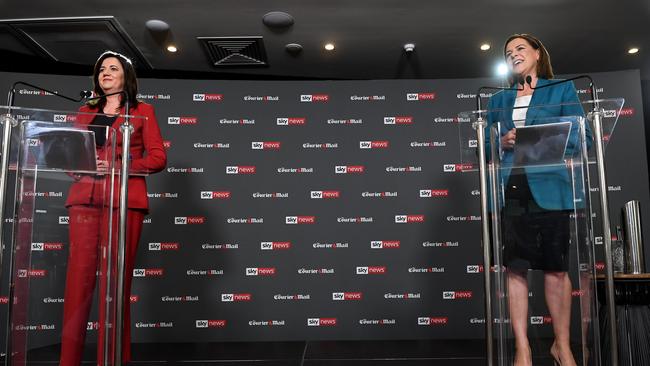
x=261, y=271
x=408, y=219
x=236, y=297
x=372, y=270
x=385, y=244
x=298, y=220
x=215, y=195
x=399, y=120
x=429, y=321
x=432, y=193
x=64, y=118
x=456, y=295
x=325, y=194
x=321, y=322
x=349, y=169
x=148, y=272
x=202, y=97
x=216, y=323
x=233, y=169
x=39, y=247
x=412, y=97
x=189, y=220
x=182, y=120
x=275, y=245
x=373, y=144
x=291, y=121
x=314, y=98
x=347, y=296
x=265, y=145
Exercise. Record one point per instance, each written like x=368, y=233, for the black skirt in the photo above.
x=533, y=237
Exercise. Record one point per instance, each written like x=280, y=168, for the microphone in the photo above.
x=12, y=93
x=85, y=94
x=518, y=81
x=592, y=85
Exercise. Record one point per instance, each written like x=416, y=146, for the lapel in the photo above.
x=538, y=95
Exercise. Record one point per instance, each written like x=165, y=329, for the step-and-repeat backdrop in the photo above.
x=294, y=210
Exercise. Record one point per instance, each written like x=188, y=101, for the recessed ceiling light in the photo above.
x=172, y=48
x=502, y=69
x=329, y=46
x=485, y=46
x=633, y=50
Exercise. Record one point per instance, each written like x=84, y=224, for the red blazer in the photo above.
x=147, y=154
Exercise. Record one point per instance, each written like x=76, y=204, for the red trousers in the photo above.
x=87, y=255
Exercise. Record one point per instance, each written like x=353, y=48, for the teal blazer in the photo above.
x=551, y=187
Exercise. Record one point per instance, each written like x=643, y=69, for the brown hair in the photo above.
x=130, y=81
x=544, y=68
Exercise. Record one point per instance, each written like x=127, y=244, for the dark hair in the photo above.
x=544, y=68
x=130, y=81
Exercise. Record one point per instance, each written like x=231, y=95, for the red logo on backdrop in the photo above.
x=626, y=112
x=291, y=121
x=167, y=144
x=373, y=144
x=431, y=193
x=265, y=145
x=321, y=322
x=420, y=96
x=36, y=273
x=427, y=321
x=164, y=246
x=275, y=245
x=540, y=320
x=182, y=120
x=189, y=220
x=260, y=271
x=47, y=246
x=347, y=296
x=325, y=194
x=236, y=297
x=215, y=195
x=207, y=97
x=385, y=244
x=217, y=323
x=455, y=295
x=408, y=219
x=134, y=298
x=148, y=272
x=600, y=266
x=4, y=300
x=372, y=270
x=398, y=120
x=241, y=169
x=349, y=169
x=312, y=98
x=578, y=293
x=295, y=220
x=64, y=118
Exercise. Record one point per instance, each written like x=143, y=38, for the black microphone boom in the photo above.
x=12, y=92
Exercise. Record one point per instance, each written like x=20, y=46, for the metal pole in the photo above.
x=597, y=116
x=126, y=129
x=479, y=126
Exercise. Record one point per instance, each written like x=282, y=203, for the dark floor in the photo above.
x=313, y=353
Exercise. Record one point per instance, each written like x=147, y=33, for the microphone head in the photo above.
x=529, y=80
x=85, y=94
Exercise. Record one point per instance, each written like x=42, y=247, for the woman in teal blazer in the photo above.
x=537, y=201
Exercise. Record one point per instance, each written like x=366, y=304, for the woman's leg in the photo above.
x=557, y=288
x=518, y=306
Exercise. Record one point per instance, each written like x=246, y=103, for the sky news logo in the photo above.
x=39, y=247
x=325, y=194
x=432, y=321
x=215, y=323
x=189, y=220
x=321, y=322
x=148, y=272
x=164, y=246
x=385, y=244
x=475, y=268
x=202, y=97
x=347, y=296
x=314, y=98
x=408, y=219
x=32, y=273
x=291, y=121
x=261, y=271
x=64, y=118
x=236, y=297
x=275, y=245
x=372, y=270
x=182, y=120
x=399, y=120
x=233, y=169
x=64, y=220
x=374, y=144
x=450, y=168
x=265, y=145
x=456, y=295
x=215, y=195
x=540, y=320
x=349, y=169
x=431, y=193
x=299, y=220
x=412, y=97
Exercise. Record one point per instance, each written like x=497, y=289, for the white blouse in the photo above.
x=519, y=114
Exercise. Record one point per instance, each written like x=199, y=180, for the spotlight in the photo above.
x=329, y=47
x=172, y=48
x=502, y=69
x=409, y=47
x=485, y=46
x=633, y=50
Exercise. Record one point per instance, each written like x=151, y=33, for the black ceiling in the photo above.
x=582, y=36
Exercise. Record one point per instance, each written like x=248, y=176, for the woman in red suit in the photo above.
x=113, y=73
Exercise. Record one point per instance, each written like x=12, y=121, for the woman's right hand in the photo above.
x=508, y=140
x=102, y=165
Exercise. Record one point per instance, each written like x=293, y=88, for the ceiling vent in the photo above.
x=235, y=51
x=77, y=40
